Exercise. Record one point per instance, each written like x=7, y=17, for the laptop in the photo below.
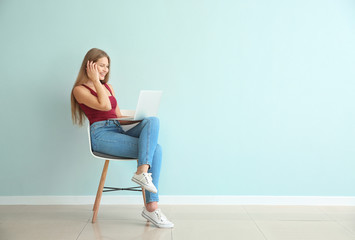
x=147, y=106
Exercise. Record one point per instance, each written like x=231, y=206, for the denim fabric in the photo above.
x=139, y=142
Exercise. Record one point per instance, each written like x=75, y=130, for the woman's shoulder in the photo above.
x=80, y=89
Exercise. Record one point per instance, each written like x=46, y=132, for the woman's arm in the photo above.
x=83, y=95
x=117, y=110
x=119, y=114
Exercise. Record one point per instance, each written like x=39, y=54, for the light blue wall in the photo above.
x=258, y=95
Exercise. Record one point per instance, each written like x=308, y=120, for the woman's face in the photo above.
x=103, y=67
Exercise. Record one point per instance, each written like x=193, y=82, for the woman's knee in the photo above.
x=154, y=121
x=158, y=149
x=158, y=153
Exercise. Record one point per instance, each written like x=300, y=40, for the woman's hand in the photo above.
x=123, y=122
x=92, y=71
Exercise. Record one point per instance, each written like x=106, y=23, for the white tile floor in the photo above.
x=191, y=222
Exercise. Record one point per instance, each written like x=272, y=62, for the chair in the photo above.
x=107, y=159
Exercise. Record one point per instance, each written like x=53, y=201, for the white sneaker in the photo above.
x=157, y=218
x=145, y=180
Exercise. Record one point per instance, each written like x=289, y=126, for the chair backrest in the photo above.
x=89, y=135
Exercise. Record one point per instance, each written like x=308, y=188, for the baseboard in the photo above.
x=181, y=200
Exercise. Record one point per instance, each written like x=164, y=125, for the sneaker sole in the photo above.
x=139, y=183
x=155, y=223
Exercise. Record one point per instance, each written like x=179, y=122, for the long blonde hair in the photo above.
x=93, y=54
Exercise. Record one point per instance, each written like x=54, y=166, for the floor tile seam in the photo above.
x=44, y=221
x=257, y=226
x=326, y=213
x=120, y=219
x=87, y=222
x=343, y=227
x=349, y=230
x=259, y=219
x=333, y=214
x=298, y=220
x=321, y=213
x=338, y=222
x=115, y=220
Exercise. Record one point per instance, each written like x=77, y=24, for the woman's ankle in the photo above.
x=142, y=169
x=152, y=206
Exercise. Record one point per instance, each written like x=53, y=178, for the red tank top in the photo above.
x=96, y=115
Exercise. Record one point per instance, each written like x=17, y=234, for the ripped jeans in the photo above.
x=139, y=142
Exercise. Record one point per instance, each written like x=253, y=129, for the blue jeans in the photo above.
x=139, y=142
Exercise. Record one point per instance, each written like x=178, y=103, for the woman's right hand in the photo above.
x=92, y=71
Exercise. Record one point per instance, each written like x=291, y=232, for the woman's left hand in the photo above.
x=125, y=122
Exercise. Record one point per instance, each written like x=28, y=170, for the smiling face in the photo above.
x=103, y=67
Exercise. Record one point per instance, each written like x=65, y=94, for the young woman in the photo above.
x=93, y=97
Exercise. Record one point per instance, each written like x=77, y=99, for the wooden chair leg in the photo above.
x=99, y=191
x=143, y=194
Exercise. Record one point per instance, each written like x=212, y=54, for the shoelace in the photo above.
x=160, y=215
x=148, y=177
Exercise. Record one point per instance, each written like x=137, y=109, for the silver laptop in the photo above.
x=147, y=106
